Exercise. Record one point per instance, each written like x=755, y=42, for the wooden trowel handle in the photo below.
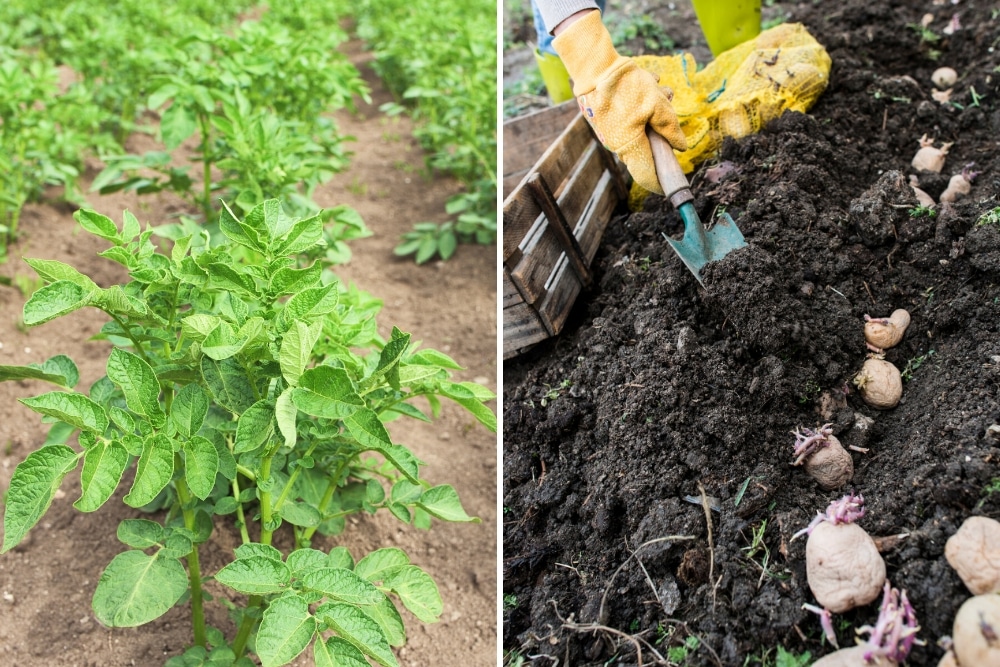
x=668, y=170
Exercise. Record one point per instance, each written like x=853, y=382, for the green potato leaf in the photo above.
x=135, y=589
x=32, y=488
x=138, y=382
x=285, y=631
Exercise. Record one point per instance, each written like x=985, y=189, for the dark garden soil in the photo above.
x=47, y=582
x=659, y=388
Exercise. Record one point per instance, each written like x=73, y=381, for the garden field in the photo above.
x=649, y=497
x=207, y=427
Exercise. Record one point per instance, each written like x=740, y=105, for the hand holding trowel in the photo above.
x=699, y=246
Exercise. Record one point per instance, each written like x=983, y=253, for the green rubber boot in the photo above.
x=555, y=76
x=727, y=23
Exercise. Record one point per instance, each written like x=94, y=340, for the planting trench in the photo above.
x=47, y=581
x=658, y=388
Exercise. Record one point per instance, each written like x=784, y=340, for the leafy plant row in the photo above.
x=439, y=58
x=255, y=388
x=256, y=97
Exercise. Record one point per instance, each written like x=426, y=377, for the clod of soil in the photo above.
x=974, y=552
x=876, y=214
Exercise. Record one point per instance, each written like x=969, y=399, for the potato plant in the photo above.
x=439, y=59
x=255, y=101
x=43, y=136
x=252, y=390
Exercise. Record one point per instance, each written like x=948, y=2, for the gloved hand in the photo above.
x=617, y=97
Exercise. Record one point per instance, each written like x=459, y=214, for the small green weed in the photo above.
x=513, y=659
x=758, y=548
x=976, y=97
x=553, y=393
x=770, y=23
x=915, y=363
x=810, y=392
x=650, y=34
x=922, y=212
x=509, y=602
x=680, y=654
x=989, y=490
x=927, y=36
x=781, y=658
x=357, y=187
x=989, y=218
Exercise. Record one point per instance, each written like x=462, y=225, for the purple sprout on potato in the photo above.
x=895, y=631
x=824, y=457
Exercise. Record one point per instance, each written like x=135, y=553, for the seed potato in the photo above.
x=843, y=566
x=852, y=657
x=974, y=552
x=831, y=466
x=884, y=333
x=880, y=384
x=976, y=632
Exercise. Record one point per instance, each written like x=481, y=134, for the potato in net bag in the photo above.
x=782, y=69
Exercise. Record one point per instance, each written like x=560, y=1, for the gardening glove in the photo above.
x=618, y=98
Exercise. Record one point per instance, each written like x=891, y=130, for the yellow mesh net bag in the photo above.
x=782, y=69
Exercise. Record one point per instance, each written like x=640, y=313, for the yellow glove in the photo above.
x=618, y=98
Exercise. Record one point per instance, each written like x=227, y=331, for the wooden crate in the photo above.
x=553, y=219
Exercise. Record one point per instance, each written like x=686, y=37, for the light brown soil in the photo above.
x=46, y=583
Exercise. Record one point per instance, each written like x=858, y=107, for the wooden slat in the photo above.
x=559, y=226
x=563, y=286
x=559, y=160
x=542, y=248
x=519, y=209
x=511, y=297
x=540, y=286
x=527, y=137
x=595, y=219
x=521, y=327
x=520, y=212
x=561, y=291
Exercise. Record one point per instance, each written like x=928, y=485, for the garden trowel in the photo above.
x=699, y=246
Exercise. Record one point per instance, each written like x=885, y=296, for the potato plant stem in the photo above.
x=240, y=516
x=206, y=177
x=265, y=500
x=194, y=566
x=327, y=497
x=294, y=477
x=246, y=625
